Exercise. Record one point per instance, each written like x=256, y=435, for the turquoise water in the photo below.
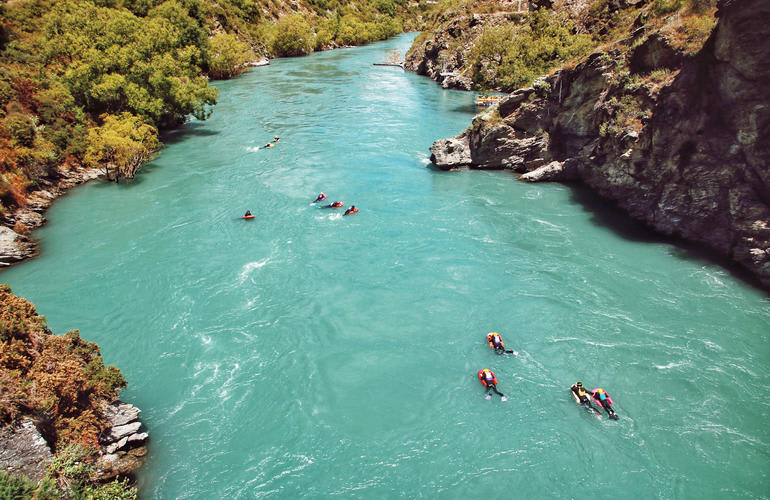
x=307, y=354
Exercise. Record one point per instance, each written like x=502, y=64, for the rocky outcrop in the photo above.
x=16, y=246
x=680, y=143
x=123, y=444
x=442, y=55
x=24, y=451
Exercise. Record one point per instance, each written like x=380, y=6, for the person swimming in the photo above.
x=321, y=197
x=352, y=210
x=603, y=399
x=276, y=139
x=269, y=145
x=488, y=380
x=580, y=392
x=496, y=342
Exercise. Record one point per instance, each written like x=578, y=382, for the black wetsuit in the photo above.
x=584, y=398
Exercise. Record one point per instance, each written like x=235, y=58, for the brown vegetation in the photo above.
x=59, y=380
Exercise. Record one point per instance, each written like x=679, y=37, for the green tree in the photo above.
x=118, y=62
x=121, y=144
x=227, y=56
x=510, y=56
x=292, y=36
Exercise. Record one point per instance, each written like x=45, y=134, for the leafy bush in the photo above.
x=122, y=143
x=292, y=36
x=21, y=127
x=663, y=7
x=227, y=56
x=510, y=56
x=120, y=62
x=15, y=488
x=60, y=376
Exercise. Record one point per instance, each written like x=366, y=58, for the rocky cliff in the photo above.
x=59, y=403
x=680, y=142
x=442, y=55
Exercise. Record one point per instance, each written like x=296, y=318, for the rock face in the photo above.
x=437, y=56
x=688, y=153
x=23, y=451
x=123, y=445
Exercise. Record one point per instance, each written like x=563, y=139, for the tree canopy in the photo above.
x=121, y=144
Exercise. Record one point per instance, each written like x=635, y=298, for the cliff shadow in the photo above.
x=183, y=132
x=608, y=214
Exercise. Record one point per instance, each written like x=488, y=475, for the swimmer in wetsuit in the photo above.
x=488, y=380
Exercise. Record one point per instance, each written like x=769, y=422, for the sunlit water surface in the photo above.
x=303, y=353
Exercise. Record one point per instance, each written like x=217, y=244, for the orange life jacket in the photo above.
x=491, y=339
x=486, y=377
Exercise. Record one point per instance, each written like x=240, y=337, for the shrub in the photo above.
x=227, y=56
x=509, y=56
x=694, y=32
x=663, y=7
x=292, y=36
x=21, y=127
x=15, y=488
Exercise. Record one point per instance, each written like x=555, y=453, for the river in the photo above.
x=304, y=353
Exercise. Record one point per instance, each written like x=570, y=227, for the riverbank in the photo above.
x=16, y=240
x=207, y=314
x=61, y=424
x=678, y=141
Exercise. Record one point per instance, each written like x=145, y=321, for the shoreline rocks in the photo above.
x=15, y=245
x=123, y=445
x=686, y=151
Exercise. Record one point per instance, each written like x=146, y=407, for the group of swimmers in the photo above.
x=321, y=197
x=487, y=376
x=336, y=204
x=599, y=396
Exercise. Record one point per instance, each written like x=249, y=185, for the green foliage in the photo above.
x=510, y=56
x=72, y=464
x=115, y=490
x=663, y=7
x=625, y=113
x=116, y=61
x=71, y=474
x=693, y=32
x=387, y=7
x=227, y=56
x=15, y=488
x=292, y=36
x=21, y=127
x=122, y=143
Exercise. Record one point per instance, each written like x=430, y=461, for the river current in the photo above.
x=307, y=354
